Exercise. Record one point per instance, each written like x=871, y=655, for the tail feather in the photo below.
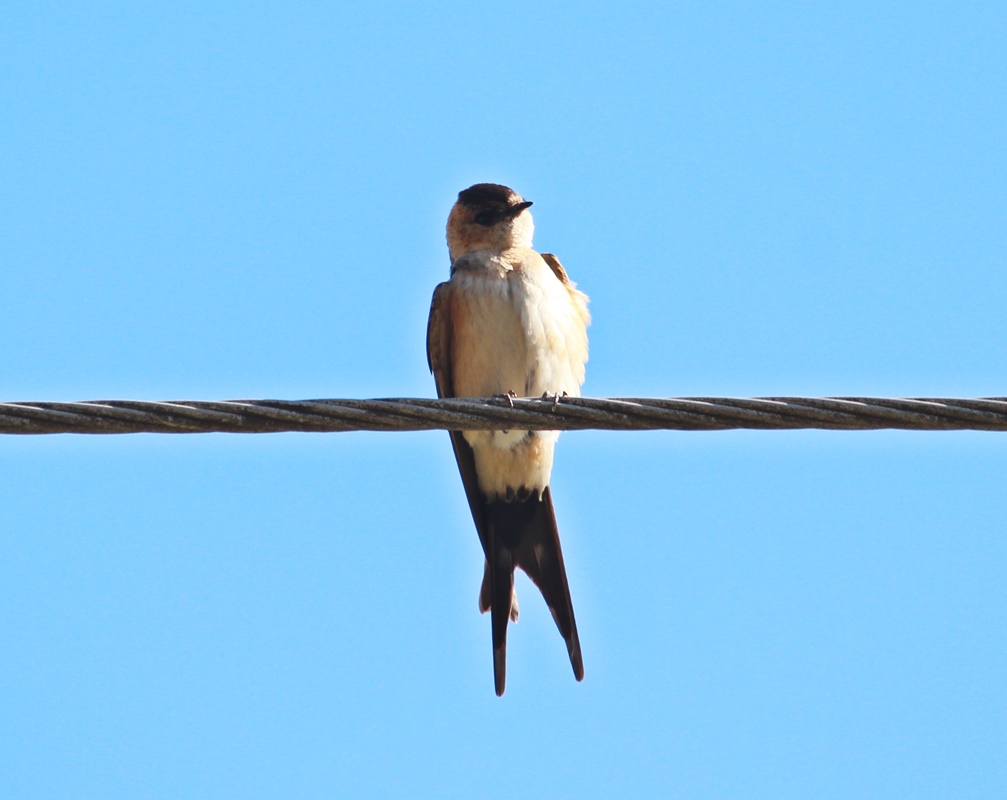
x=523, y=533
x=485, y=596
x=541, y=557
x=501, y=590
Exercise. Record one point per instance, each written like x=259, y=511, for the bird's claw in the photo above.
x=555, y=398
x=509, y=396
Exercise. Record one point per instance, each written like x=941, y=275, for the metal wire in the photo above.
x=501, y=413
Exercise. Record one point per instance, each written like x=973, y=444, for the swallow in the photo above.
x=509, y=321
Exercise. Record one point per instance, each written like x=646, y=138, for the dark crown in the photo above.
x=485, y=194
x=492, y=203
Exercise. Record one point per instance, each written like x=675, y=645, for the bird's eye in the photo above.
x=488, y=216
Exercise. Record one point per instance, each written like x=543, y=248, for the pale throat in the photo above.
x=471, y=238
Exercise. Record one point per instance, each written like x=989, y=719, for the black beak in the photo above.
x=513, y=211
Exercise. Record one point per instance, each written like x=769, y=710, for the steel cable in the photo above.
x=501, y=413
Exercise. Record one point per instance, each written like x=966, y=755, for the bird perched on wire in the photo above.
x=508, y=322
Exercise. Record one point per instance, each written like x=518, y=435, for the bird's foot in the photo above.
x=509, y=396
x=555, y=398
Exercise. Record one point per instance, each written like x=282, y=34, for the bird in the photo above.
x=509, y=322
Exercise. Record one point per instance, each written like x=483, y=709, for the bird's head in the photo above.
x=489, y=216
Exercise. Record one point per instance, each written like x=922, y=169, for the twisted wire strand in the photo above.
x=501, y=413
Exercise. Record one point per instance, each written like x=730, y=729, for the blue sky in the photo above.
x=211, y=201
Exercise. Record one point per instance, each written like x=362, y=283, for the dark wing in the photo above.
x=439, y=347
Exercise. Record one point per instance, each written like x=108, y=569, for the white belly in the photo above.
x=515, y=330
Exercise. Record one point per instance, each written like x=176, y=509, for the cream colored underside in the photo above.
x=516, y=328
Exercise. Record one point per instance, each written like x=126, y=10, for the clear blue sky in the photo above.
x=212, y=201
